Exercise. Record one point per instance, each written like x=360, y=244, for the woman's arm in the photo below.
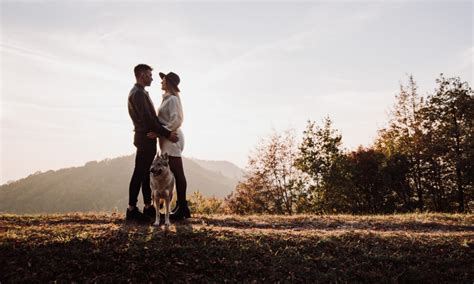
x=176, y=113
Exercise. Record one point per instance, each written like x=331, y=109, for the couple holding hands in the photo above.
x=150, y=125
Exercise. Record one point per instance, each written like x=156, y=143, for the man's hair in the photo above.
x=140, y=68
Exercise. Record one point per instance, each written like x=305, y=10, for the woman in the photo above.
x=170, y=113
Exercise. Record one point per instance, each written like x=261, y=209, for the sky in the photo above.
x=248, y=69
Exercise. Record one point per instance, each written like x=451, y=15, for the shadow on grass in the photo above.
x=186, y=253
x=55, y=219
x=330, y=225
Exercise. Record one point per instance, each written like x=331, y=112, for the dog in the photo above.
x=162, y=184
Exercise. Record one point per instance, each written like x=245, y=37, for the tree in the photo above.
x=396, y=175
x=372, y=176
x=273, y=184
x=450, y=114
x=318, y=155
x=404, y=135
x=436, y=137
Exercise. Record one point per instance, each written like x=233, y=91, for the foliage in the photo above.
x=205, y=205
x=435, y=137
x=273, y=184
x=423, y=160
x=319, y=157
x=403, y=137
x=451, y=110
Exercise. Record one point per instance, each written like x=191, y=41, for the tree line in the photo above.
x=422, y=161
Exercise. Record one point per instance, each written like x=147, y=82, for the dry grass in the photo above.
x=303, y=248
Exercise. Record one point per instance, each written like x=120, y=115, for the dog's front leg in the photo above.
x=167, y=208
x=156, y=202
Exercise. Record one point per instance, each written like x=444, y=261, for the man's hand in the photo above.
x=152, y=135
x=173, y=137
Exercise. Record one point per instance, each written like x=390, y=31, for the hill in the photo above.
x=413, y=248
x=96, y=186
x=224, y=167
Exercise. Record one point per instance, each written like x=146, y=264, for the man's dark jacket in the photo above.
x=143, y=114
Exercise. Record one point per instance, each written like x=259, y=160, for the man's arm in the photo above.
x=142, y=107
x=161, y=130
x=173, y=136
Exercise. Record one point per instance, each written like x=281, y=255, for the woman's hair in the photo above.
x=171, y=89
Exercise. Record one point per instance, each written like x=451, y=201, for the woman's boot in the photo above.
x=182, y=212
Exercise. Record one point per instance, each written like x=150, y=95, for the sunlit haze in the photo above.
x=247, y=69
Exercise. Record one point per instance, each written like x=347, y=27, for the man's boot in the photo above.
x=150, y=212
x=136, y=215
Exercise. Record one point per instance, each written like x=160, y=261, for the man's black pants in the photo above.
x=146, y=151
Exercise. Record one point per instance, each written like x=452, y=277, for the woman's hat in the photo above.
x=172, y=78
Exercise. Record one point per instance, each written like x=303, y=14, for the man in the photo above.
x=143, y=114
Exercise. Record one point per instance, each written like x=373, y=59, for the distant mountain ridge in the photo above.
x=226, y=168
x=103, y=186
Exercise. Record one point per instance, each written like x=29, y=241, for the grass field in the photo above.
x=432, y=248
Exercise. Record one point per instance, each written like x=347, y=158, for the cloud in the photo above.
x=271, y=64
x=468, y=54
x=315, y=34
x=18, y=50
x=56, y=60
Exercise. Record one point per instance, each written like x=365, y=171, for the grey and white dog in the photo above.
x=162, y=184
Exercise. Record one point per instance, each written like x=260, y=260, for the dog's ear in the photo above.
x=165, y=156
